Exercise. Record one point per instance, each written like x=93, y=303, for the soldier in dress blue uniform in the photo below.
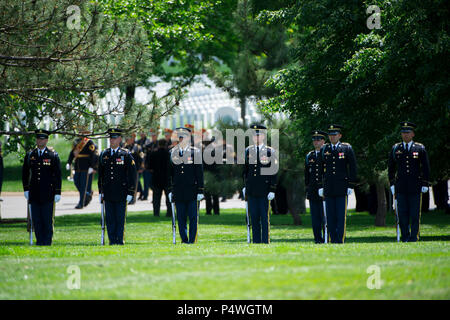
x=409, y=172
x=338, y=172
x=41, y=178
x=116, y=185
x=260, y=186
x=312, y=182
x=186, y=186
x=85, y=154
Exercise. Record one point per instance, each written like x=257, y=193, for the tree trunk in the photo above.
x=295, y=195
x=243, y=104
x=129, y=98
x=380, y=218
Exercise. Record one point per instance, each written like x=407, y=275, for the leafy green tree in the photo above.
x=367, y=80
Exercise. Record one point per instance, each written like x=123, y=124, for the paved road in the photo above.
x=14, y=205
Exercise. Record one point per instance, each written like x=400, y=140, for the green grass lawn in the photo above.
x=222, y=265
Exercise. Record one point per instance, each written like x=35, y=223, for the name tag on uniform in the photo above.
x=341, y=155
x=46, y=162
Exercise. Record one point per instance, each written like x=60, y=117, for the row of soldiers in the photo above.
x=330, y=177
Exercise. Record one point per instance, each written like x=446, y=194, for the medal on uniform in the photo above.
x=46, y=162
x=341, y=155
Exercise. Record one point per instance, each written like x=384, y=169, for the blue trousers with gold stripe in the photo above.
x=259, y=215
x=115, y=221
x=408, y=207
x=185, y=210
x=42, y=216
x=336, y=218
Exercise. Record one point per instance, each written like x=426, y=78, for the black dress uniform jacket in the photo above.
x=150, y=150
x=408, y=170
x=137, y=153
x=312, y=176
x=86, y=158
x=41, y=176
x=257, y=185
x=116, y=175
x=185, y=176
x=338, y=169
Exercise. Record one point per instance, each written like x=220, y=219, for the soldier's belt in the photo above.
x=82, y=156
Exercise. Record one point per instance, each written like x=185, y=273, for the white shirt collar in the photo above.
x=41, y=151
x=335, y=145
x=409, y=144
x=114, y=150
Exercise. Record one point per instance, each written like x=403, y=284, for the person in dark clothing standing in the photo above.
x=138, y=156
x=41, y=179
x=149, y=151
x=159, y=165
x=84, y=154
x=337, y=172
x=260, y=185
x=116, y=185
x=186, y=185
x=409, y=174
x=312, y=182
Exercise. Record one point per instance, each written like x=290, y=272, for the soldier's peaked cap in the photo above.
x=115, y=132
x=318, y=134
x=41, y=133
x=258, y=128
x=334, y=129
x=407, y=126
x=182, y=131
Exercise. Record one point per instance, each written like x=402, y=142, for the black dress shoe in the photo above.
x=79, y=206
x=87, y=200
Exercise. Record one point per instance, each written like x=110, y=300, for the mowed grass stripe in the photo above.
x=222, y=265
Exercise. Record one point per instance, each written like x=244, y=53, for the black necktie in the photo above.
x=406, y=147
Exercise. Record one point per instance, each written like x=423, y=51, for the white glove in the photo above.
x=100, y=197
x=170, y=196
x=200, y=197
x=67, y=166
x=57, y=197
x=129, y=198
x=270, y=196
x=393, y=189
x=26, y=193
x=243, y=192
x=424, y=189
x=90, y=170
x=321, y=192
x=349, y=191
